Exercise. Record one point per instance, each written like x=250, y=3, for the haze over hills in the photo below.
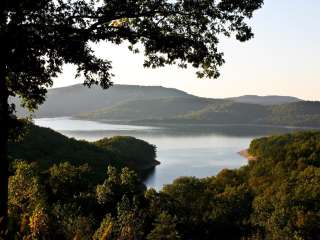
x=77, y=99
x=155, y=104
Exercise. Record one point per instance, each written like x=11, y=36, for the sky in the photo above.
x=282, y=59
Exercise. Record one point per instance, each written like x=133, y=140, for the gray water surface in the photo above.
x=199, y=151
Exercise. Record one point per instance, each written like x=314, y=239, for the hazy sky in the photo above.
x=282, y=59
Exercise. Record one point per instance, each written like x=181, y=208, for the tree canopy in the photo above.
x=40, y=36
x=276, y=196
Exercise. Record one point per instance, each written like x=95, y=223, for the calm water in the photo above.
x=199, y=151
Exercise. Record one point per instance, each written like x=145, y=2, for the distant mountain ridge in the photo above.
x=76, y=99
x=299, y=114
x=155, y=104
x=265, y=100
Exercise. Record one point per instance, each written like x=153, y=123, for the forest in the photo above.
x=274, y=197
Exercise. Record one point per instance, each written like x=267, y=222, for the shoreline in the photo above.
x=156, y=123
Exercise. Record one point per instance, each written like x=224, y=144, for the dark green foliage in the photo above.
x=118, y=202
x=164, y=228
x=48, y=148
x=117, y=184
x=66, y=180
x=285, y=177
x=70, y=221
x=294, y=150
x=130, y=150
x=211, y=208
x=276, y=196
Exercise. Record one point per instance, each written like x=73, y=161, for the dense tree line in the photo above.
x=275, y=197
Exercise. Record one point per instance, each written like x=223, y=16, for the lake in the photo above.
x=192, y=150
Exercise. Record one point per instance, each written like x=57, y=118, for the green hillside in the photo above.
x=226, y=112
x=149, y=109
x=295, y=148
x=47, y=147
x=301, y=114
x=304, y=113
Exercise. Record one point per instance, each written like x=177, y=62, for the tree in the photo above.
x=66, y=180
x=164, y=228
x=39, y=36
x=27, y=200
x=116, y=185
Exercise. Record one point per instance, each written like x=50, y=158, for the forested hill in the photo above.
x=301, y=114
x=159, y=105
x=207, y=111
x=47, y=148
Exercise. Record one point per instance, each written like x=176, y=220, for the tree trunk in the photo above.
x=4, y=162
